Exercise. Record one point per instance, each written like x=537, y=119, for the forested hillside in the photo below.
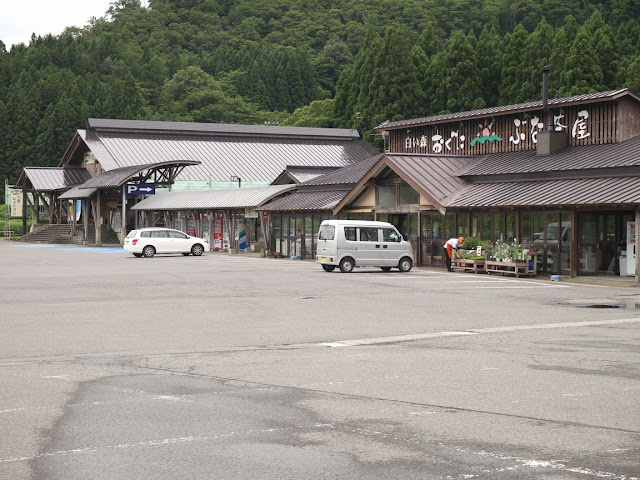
x=339, y=63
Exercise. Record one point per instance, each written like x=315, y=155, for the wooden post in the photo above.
x=24, y=211
x=573, y=249
x=635, y=246
x=85, y=217
x=98, y=221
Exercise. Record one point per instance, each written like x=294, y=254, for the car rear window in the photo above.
x=326, y=232
x=132, y=234
x=350, y=233
x=145, y=234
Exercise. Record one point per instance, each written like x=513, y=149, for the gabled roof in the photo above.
x=301, y=174
x=431, y=176
x=253, y=153
x=347, y=175
x=48, y=179
x=306, y=201
x=623, y=154
x=226, y=198
x=520, y=107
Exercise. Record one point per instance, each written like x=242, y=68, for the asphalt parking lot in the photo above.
x=237, y=367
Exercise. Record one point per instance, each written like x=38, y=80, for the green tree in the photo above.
x=489, y=63
x=513, y=66
x=582, y=73
x=538, y=51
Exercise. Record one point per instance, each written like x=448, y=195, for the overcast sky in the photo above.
x=20, y=18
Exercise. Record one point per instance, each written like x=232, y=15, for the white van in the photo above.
x=357, y=243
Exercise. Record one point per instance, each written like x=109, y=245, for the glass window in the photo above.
x=407, y=195
x=350, y=233
x=386, y=194
x=327, y=232
x=390, y=235
x=565, y=233
x=277, y=233
x=368, y=234
x=159, y=234
x=383, y=217
x=426, y=226
x=510, y=225
x=308, y=236
x=463, y=219
x=145, y=234
x=173, y=234
x=525, y=227
x=437, y=226
x=485, y=226
x=498, y=227
x=553, y=227
x=538, y=227
x=449, y=226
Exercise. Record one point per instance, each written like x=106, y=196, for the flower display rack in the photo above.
x=512, y=267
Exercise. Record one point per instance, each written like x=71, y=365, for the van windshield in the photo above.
x=326, y=232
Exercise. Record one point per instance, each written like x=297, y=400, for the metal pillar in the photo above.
x=85, y=218
x=123, y=220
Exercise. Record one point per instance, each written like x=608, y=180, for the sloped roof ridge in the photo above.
x=609, y=94
x=220, y=128
x=349, y=174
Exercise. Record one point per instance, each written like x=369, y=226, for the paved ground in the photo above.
x=233, y=367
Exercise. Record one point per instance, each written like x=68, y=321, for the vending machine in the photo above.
x=631, y=248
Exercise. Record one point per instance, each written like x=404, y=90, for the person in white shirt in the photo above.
x=451, y=249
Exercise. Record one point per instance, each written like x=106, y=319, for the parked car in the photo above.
x=146, y=242
x=355, y=243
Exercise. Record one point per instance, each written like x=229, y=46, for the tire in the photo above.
x=405, y=264
x=385, y=269
x=328, y=268
x=197, y=250
x=138, y=255
x=347, y=264
x=148, y=251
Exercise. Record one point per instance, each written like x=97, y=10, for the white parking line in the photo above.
x=476, y=331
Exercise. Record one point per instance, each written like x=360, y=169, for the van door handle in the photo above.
x=384, y=246
x=377, y=246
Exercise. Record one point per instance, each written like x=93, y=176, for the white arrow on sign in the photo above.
x=145, y=189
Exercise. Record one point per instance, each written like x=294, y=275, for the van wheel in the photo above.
x=405, y=264
x=329, y=268
x=385, y=269
x=148, y=251
x=346, y=265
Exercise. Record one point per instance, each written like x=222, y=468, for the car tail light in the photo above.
x=134, y=241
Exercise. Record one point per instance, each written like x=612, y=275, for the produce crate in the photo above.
x=512, y=267
x=468, y=265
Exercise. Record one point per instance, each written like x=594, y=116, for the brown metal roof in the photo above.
x=48, y=179
x=586, y=191
x=535, y=105
x=623, y=154
x=305, y=201
x=434, y=175
x=117, y=177
x=346, y=175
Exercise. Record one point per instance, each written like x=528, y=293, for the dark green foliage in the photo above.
x=303, y=62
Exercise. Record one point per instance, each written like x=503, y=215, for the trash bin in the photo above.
x=623, y=263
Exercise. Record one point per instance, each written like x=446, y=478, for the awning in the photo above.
x=49, y=179
x=117, y=177
x=77, y=193
x=306, y=201
x=219, y=199
x=585, y=191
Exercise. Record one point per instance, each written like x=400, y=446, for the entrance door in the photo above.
x=400, y=221
x=600, y=234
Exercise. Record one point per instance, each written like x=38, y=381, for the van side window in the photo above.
x=390, y=235
x=326, y=232
x=368, y=234
x=350, y=233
